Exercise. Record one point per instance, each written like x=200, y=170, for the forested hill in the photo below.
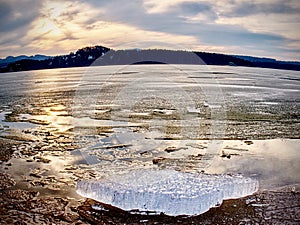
x=100, y=56
x=82, y=57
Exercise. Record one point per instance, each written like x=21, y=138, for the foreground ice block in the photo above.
x=167, y=191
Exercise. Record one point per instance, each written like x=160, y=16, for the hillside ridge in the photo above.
x=101, y=56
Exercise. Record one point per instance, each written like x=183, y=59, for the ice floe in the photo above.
x=167, y=191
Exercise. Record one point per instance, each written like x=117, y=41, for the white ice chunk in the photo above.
x=193, y=110
x=167, y=191
x=123, y=138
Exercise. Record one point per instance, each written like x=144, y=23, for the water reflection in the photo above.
x=275, y=162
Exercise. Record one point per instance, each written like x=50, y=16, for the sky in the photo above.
x=265, y=28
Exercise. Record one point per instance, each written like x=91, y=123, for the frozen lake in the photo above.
x=101, y=121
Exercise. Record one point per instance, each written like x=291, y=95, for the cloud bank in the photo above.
x=267, y=28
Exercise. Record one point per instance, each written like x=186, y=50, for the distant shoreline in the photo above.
x=102, y=56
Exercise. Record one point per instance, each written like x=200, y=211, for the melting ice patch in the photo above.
x=14, y=125
x=168, y=191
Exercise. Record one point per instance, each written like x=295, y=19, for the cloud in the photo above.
x=17, y=14
x=76, y=24
x=242, y=9
x=193, y=8
x=15, y=20
x=258, y=27
x=210, y=33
